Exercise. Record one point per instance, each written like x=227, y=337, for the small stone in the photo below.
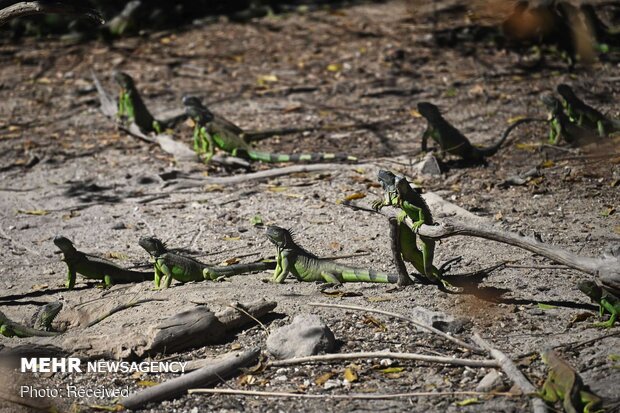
x=307, y=335
x=429, y=165
x=491, y=381
x=332, y=384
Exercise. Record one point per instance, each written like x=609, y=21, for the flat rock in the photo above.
x=491, y=381
x=429, y=165
x=307, y=335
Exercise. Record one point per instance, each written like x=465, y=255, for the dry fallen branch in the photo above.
x=344, y=396
x=384, y=354
x=513, y=373
x=27, y=8
x=213, y=373
x=413, y=321
x=121, y=308
x=606, y=269
x=267, y=174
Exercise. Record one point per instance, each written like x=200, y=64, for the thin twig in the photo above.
x=269, y=173
x=385, y=354
x=513, y=373
x=345, y=396
x=540, y=267
x=413, y=321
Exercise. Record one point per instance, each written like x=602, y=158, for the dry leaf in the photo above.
x=39, y=287
x=529, y=147
x=33, y=211
x=230, y=261
x=353, y=196
x=338, y=293
x=547, y=164
x=118, y=255
x=146, y=383
x=319, y=381
x=467, y=402
x=392, y=370
x=350, y=375
x=368, y=319
x=334, y=67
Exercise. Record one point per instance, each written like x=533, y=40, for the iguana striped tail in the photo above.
x=367, y=275
x=301, y=157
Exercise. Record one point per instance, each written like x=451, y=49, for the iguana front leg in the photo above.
x=70, y=283
x=165, y=275
x=158, y=275
x=107, y=281
x=283, y=267
x=427, y=133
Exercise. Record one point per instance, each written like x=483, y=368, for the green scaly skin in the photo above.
x=562, y=127
x=131, y=107
x=422, y=260
x=399, y=194
x=585, y=115
x=170, y=265
x=607, y=301
x=43, y=317
x=452, y=141
x=43, y=320
x=563, y=383
x=210, y=133
x=305, y=266
x=95, y=268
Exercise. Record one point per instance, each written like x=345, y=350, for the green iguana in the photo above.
x=561, y=125
x=451, y=140
x=563, y=383
x=171, y=265
x=305, y=266
x=210, y=133
x=398, y=193
x=96, y=268
x=132, y=108
x=607, y=301
x=42, y=321
x=585, y=115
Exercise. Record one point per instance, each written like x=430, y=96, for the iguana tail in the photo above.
x=491, y=150
x=259, y=135
x=301, y=157
x=368, y=276
x=213, y=273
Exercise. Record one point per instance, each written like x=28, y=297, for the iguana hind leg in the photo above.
x=606, y=305
x=331, y=278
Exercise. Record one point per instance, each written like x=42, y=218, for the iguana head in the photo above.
x=279, y=236
x=429, y=111
x=196, y=110
x=124, y=80
x=566, y=92
x=590, y=289
x=64, y=244
x=154, y=246
x=387, y=180
x=43, y=317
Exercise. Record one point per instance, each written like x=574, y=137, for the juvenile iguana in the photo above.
x=42, y=321
x=132, y=108
x=96, y=268
x=398, y=193
x=563, y=383
x=561, y=125
x=170, y=265
x=305, y=266
x=451, y=140
x=607, y=301
x=210, y=133
x=585, y=115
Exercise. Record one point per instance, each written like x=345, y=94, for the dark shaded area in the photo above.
x=131, y=17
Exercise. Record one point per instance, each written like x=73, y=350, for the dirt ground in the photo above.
x=104, y=189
